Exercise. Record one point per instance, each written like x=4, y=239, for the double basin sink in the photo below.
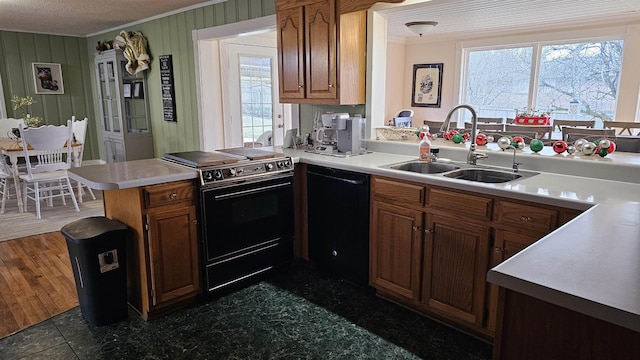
x=462, y=171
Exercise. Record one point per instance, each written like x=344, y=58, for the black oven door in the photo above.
x=248, y=228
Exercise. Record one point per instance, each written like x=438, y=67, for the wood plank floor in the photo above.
x=36, y=281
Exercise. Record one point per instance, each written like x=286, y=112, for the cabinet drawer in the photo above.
x=525, y=216
x=398, y=191
x=166, y=194
x=460, y=203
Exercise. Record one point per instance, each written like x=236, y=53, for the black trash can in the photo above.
x=97, y=252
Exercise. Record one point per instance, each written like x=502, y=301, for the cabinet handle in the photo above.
x=428, y=231
x=498, y=249
x=195, y=222
x=525, y=218
x=416, y=228
x=173, y=196
x=330, y=86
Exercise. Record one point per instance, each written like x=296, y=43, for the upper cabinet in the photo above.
x=322, y=47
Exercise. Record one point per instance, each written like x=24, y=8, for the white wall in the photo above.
x=423, y=51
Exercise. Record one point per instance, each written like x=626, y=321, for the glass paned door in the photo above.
x=253, y=115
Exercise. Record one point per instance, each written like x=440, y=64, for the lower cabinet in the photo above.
x=455, y=266
x=114, y=150
x=162, y=261
x=431, y=247
x=396, y=250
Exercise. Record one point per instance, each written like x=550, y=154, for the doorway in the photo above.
x=253, y=116
x=218, y=129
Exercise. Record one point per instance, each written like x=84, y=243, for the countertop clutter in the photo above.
x=589, y=265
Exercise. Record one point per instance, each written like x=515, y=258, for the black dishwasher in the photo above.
x=338, y=220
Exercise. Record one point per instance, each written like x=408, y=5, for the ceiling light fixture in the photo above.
x=421, y=27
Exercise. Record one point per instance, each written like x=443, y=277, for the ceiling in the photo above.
x=455, y=17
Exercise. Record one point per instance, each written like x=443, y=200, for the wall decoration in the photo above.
x=168, y=92
x=47, y=78
x=427, y=85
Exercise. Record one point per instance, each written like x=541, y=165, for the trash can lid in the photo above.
x=91, y=227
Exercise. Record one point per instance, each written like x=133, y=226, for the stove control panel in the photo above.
x=241, y=170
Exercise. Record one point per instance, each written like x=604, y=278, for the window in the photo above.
x=571, y=80
x=256, y=96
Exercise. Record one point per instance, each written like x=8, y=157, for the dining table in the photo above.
x=13, y=149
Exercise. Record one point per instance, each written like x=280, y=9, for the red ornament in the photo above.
x=450, y=134
x=481, y=139
x=559, y=147
x=612, y=147
x=466, y=136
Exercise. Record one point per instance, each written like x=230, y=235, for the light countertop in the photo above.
x=591, y=264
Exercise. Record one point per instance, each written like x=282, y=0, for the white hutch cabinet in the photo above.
x=124, y=109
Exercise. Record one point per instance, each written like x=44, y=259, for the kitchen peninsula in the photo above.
x=588, y=265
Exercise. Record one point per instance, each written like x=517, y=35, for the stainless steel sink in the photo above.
x=425, y=167
x=483, y=175
x=462, y=171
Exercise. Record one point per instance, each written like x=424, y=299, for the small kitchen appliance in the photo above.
x=325, y=128
x=350, y=139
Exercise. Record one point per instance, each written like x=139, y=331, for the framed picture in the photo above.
x=138, y=92
x=126, y=90
x=47, y=78
x=427, y=85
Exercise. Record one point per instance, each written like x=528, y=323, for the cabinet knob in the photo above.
x=173, y=196
x=416, y=228
x=195, y=221
x=498, y=249
x=300, y=86
x=330, y=86
x=525, y=218
x=428, y=231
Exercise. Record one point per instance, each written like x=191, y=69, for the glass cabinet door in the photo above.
x=135, y=105
x=109, y=97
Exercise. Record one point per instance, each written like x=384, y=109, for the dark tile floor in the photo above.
x=298, y=313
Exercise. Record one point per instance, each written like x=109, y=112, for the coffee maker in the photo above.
x=350, y=135
x=325, y=129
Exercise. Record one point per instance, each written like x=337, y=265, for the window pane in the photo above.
x=580, y=81
x=498, y=81
x=256, y=96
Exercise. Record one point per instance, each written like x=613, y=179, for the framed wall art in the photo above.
x=47, y=78
x=427, y=85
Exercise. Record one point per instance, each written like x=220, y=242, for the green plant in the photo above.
x=22, y=105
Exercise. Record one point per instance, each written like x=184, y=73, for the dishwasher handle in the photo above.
x=349, y=181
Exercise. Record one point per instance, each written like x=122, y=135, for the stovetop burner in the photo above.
x=232, y=165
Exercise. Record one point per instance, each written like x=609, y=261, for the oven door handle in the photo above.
x=349, y=181
x=251, y=191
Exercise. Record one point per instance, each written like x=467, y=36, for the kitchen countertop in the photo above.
x=590, y=265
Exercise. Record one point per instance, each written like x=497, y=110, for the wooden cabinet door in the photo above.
x=507, y=244
x=455, y=267
x=291, y=53
x=320, y=43
x=173, y=252
x=396, y=248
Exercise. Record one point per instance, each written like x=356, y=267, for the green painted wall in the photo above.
x=173, y=35
x=19, y=50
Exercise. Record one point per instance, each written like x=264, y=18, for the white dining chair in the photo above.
x=6, y=176
x=80, y=132
x=47, y=177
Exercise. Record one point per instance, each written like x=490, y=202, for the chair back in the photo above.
x=608, y=133
x=485, y=126
x=544, y=131
x=7, y=126
x=575, y=123
x=492, y=120
x=79, y=133
x=49, y=147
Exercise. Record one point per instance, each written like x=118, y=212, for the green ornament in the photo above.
x=536, y=145
x=457, y=138
x=603, y=152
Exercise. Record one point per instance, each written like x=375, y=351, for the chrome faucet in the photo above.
x=514, y=165
x=473, y=155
